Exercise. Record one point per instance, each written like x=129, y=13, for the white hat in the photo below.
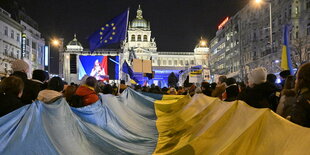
x=20, y=65
x=258, y=75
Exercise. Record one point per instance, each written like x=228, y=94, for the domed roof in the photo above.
x=139, y=22
x=74, y=45
x=74, y=42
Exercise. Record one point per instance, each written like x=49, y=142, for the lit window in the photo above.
x=139, y=38
x=12, y=34
x=6, y=31
x=133, y=38
x=145, y=38
x=17, y=37
x=6, y=50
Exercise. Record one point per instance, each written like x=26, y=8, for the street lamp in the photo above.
x=270, y=20
x=53, y=42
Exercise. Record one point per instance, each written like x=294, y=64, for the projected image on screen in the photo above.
x=100, y=67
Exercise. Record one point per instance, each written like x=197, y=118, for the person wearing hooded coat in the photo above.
x=259, y=93
x=53, y=92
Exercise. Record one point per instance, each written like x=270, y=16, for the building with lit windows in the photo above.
x=10, y=41
x=141, y=45
x=242, y=42
x=19, y=40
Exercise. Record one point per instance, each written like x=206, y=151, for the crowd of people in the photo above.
x=290, y=98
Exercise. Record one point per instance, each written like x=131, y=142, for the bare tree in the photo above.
x=300, y=50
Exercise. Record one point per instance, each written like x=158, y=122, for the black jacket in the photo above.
x=301, y=109
x=31, y=88
x=260, y=96
x=8, y=103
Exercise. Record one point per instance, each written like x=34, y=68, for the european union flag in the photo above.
x=112, y=32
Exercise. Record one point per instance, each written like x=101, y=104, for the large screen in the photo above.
x=100, y=67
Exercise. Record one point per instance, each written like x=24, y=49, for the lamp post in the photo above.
x=270, y=20
x=53, y=42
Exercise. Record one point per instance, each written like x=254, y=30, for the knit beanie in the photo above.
x=20, y=65
x=258, y=75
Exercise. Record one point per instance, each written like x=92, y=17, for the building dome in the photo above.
x=139, y=22
x=74, y=45
x=74, y=42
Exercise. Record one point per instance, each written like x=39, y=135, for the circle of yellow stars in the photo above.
x=105, y=28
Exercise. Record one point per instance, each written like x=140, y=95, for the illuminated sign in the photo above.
x=23, y=45
x=223, y=23
x=46, y=55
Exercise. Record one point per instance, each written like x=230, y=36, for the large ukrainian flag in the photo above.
x=136, y=123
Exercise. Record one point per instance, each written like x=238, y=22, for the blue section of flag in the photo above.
x=112, y=32
x=124, y=124
x=288, y=50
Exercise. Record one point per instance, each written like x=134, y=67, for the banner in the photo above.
x=195, y=75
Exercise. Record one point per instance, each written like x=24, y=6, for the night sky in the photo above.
x=177, y=25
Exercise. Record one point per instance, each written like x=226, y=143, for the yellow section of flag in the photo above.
x=284, y=62
x=205, y=125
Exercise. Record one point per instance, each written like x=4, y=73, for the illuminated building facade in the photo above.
x=141, y=45
x=242, y=42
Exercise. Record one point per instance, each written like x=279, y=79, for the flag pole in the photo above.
x=120, y=54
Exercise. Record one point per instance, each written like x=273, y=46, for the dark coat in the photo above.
x=31, y=88
x=301, y=109
x=260, y=96
x=8, y=103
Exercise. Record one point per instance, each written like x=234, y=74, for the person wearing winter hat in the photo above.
x=53, y=91
x=31, y=89
x=259, y=93
x=38, y=76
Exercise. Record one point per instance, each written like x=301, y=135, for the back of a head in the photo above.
x=20, y=66
x=122, y=81
x=271, y=78
x=222, y=79
x=56, y=84
x=91, y=81
x=258, y=76
x=69, y=92
x=205, y=85
x=303, y=76
x=230, y=81
x=289, y=82
x=213, y=85
x=232, y=91
x=289, y=85
x=12, y=85
x=107, y=89
x=284, y=74
x=39, y=75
